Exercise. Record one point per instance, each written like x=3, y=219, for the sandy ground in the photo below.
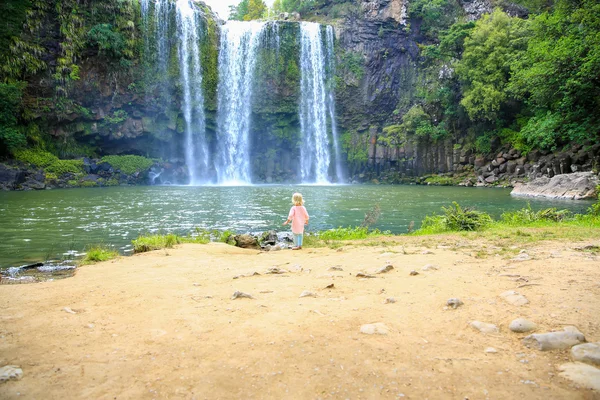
x=163, y=325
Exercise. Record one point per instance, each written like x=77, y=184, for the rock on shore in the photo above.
x=575, y=186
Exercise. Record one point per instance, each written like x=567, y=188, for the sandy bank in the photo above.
x=163, y=324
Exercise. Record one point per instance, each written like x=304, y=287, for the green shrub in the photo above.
x=455, y=218
x=72, y=182
x=440, y=180
x=155, y=242
x=107, y=40
x=99, y=253
x=36, y=157
x=88, y=184
x=111, y=182
x=349, y=233
x=129, y=164
x=61, y=167
x=465, y=219
x=526, y=216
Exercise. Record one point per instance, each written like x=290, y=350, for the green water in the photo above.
x=42, y=225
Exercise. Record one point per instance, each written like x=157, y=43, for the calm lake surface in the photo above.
x=43, y=225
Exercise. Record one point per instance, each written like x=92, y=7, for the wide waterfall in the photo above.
x=269, y=113
x=316, y=103
x=237, y=62
x=196, y=148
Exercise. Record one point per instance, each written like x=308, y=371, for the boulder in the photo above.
x=8, y=177
x=588, y=353
x=555, y=340
x=269, y=238
x=575, y=186
x=581, y=374
x=246, y=241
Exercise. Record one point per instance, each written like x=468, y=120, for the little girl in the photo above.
x=299, y=217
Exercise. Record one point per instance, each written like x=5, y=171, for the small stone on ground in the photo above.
x=484, y=327
x=555, y=340
x=10, y=372
x=521, y=325
x=514, y=298
x=376, y=328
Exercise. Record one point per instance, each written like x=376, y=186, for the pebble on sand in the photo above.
x=384, y=269
x=377, y=328
x=306, y=293
x=521, y=325
x=389, y=300
x=241, y=295
x=10, y=372
x=413, y=273
x=555, y=340
x=454, y=302
x=430, y=267
x=514, y=298
x=484, y=327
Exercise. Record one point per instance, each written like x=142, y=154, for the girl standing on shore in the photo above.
x=298, y=216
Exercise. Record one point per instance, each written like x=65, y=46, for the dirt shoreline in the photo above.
x=163, y=325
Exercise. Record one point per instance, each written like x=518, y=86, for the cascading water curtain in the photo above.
x=196, y=148
x=331, y=103
x=237, y=63
x=314, y=153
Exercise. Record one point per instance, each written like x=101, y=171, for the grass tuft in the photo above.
x=99, y=253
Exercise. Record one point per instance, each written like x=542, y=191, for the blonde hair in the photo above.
x=297, y=199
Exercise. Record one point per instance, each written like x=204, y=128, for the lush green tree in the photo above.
x=11, y=138
x=434, y=14
x=256, y=10
x=237, y=13
x=559, y=75
x=485, y=68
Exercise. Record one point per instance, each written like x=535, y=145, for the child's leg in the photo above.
x=300, y=239
x=296, y=239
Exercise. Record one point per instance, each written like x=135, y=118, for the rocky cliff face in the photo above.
x=383, y=40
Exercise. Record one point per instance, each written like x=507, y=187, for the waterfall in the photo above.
x=196, y=148
x=331, y=104
x=314, y=106
x=237, y=62
x=188, y=30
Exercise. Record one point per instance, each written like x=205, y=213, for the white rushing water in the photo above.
x=237, y=63
x=196, y=148
x=331, y=104
x=315, y=155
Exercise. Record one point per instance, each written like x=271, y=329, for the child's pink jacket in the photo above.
x=298, y=215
